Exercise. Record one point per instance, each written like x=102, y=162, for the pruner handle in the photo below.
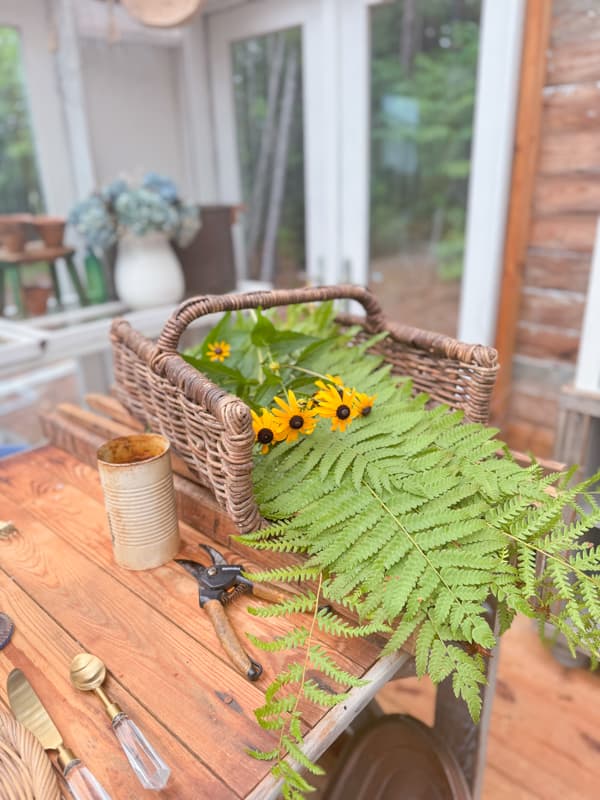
x=269, y=593
x=230, y=642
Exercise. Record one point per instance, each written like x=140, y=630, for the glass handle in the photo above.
x=82, y=784
x=149, y=767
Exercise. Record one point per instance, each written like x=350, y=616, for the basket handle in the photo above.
x=197, y=307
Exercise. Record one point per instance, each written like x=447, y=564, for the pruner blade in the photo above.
x=217, y=558
x=193, y=567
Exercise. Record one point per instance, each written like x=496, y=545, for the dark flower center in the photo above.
x=342, y=412
x=296, y=422
x=265, y=436
x=218, y=351
x=366, y=411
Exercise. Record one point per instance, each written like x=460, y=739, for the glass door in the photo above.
x=258, y=90
x=423, y=69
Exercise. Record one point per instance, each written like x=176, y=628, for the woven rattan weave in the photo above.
x=25, y=770
x=212, y=430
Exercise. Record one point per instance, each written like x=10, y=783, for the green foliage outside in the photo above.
x=426, y=61
x=434, y=68
x=407, y=517
x=19, y=183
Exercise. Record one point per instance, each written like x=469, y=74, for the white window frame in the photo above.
x=498, y=74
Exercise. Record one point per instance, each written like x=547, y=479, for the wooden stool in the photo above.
x=578, y=420
x=10, y=264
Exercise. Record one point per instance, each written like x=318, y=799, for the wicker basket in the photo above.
x=212, y=430
x=25, y=770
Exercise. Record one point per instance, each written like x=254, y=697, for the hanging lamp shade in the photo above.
x=162, y=13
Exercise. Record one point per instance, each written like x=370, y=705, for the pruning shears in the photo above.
x=218, y=585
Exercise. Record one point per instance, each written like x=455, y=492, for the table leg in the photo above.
x=453, y=723
x=14, y=278
x=55, y=283
x=75, y=280
x=3, y=278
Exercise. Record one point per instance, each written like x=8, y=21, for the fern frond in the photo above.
x=299, y=604
x=289, y=641
x=321, y=697
x=325, y=663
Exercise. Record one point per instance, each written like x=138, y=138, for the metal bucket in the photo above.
x=136, y=477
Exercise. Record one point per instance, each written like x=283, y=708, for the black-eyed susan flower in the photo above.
x=363, y=403
x=293, y=418
x=336, y=403
x=218, y=351
x=265, y=426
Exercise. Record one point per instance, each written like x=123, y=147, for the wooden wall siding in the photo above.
x=565, y=204
x=547, y=269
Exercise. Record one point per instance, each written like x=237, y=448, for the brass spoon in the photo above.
x=88, y=673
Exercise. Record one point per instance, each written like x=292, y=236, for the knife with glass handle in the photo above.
x=29, y=710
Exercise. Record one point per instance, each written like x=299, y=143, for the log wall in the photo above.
x=565, y=206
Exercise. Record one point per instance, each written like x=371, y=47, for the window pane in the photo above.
x=19, y=182
x=423, y=74
x=267, y=74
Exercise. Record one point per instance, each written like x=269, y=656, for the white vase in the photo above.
x=147, y=271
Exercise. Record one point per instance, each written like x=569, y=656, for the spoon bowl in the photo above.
x=87, y=672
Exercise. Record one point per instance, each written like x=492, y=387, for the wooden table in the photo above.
x=10, y=264
x=62, y=588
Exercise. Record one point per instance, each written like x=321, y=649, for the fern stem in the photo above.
x=411, y=539
x=280, y=747
x=307, y=371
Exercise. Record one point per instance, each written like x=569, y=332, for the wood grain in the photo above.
x=567, y=194
x=195, y=504
x=542, y=341
x=552, y=269
x=57, y=504
x=574, y=61
x=548, y=307
x=569, y=152
x=43, y=650
x=573, y=107
x=172, y=674
x=527, y=138
x=564, y=231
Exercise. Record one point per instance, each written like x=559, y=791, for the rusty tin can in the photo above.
x=136, y=477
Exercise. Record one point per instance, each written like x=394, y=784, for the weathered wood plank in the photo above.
x=572, y=107
x=554, y=269
x=564, y=232
x=569, y=152
x=531, y=406
x=55, y=504
x=549, y=307
x=530, y=438
x=181, y=682
x=527, y=145
x=43, y=650
x=574, y=20
x=110, y=407
x=542, y=341
x=567, y=194
x=110, y=429
x=574, y=61
x=195, y=504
